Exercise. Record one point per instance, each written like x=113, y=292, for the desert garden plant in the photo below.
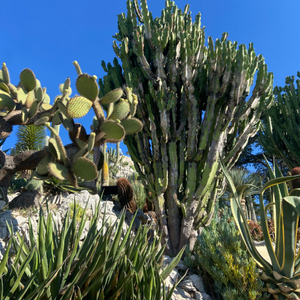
x=28, y=103
x=282, y=275
x=109, y=264
x=196, y=104
x=220, y=256
x=30, y=137
x=280, y=133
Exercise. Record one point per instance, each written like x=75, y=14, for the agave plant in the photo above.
x=282, y=275
x=242, y=176
x=109, y=264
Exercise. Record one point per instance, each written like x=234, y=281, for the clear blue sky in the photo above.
x=47, y=36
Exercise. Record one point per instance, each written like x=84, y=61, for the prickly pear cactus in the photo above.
x=28, y=103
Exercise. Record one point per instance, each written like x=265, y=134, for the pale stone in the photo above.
x=172, y=279
x=201, y=296
x=180, y=294
x=197, y=282
x=187, y=285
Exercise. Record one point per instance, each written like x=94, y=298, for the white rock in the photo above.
x=167, y=260
x=202, y=296
x=197, y=282
x=187, y=285
x=172, y=279
x=180, y=294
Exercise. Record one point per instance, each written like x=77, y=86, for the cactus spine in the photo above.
x=193, y=102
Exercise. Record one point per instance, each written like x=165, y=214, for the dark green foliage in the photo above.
x=139, y=192
x=30, y=137
x=280, y=133
x=220, y=253
x=17, y=183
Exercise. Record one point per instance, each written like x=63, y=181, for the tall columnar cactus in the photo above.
x=27, y=103
x=280, y=133
x=194, y=101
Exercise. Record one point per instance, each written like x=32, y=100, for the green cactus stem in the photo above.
x=28, y=80
x=28, y=103
x=195, y=105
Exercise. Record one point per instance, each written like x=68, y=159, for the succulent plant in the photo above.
x=126, y=195
x=28, y=104
x=108, y=264
x=282, y=274
x=194, y=101
x=279, y=133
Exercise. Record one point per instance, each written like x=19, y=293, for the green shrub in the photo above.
x=139, y=193
x=79, y=211
x=219, y=253
x=16, y=184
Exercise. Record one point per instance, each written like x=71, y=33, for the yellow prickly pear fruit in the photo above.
x=105, y=174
